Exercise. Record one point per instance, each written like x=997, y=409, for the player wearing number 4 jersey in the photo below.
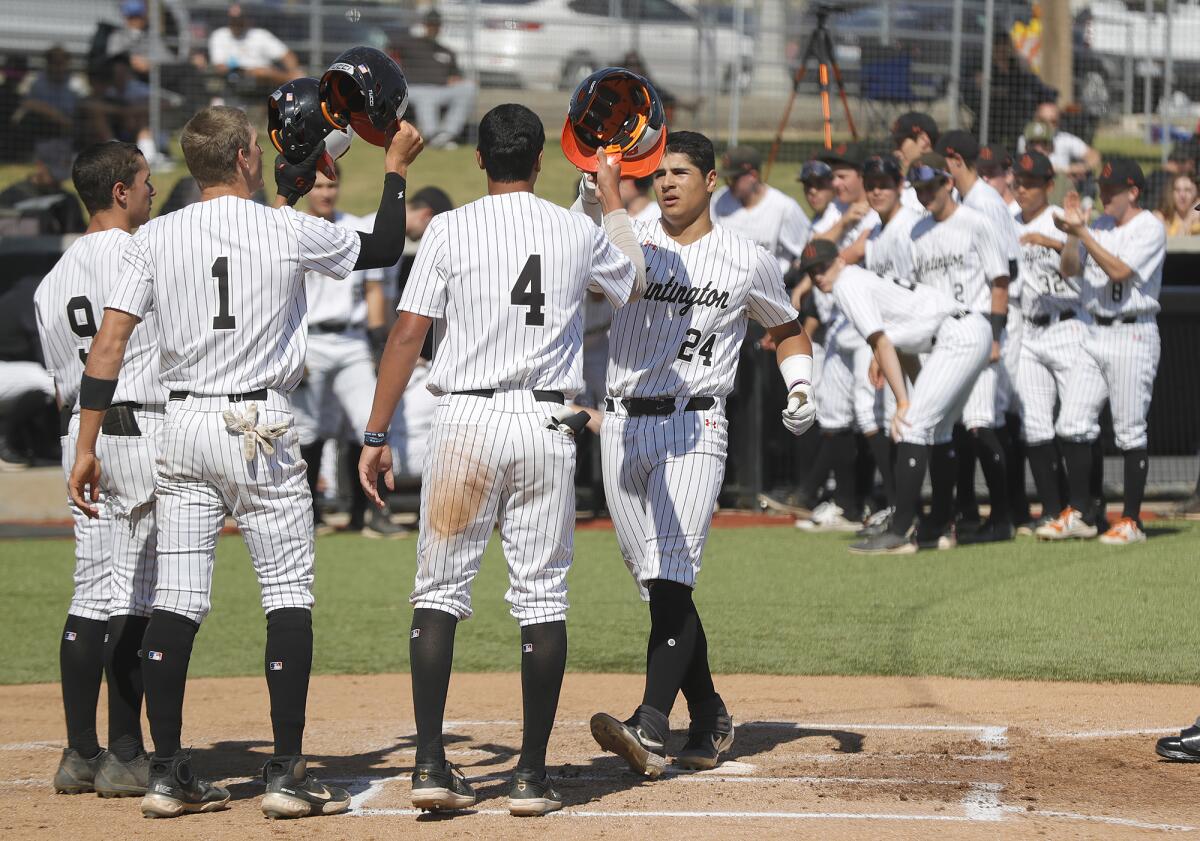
x=673, y=356
x=506, y=277
x=225, y=278
x=114, y=554
x=1121, y=259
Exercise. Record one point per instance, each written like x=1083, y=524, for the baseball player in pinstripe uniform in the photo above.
x=673, y=359
x=756, y=210
x=225, y=277
x=913, y=134
x=955, y=250
x=1121, y=260
x=505, y=277
x=114, y=554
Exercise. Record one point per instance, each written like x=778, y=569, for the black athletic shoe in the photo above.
x=174, y=789
x=931, y=537
x=379, y=527
x=532, y=794
x=76, y=774
x=640, y=741
x=884, y=544
x=1182, y=748
x=707, y=740
x=123, y=779
x=292, y=792
x=438, y=786
x=993, y=531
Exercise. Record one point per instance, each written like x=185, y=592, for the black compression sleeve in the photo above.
x=385, y=245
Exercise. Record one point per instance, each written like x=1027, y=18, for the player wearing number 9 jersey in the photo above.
x=673, y=357
x=225, y=277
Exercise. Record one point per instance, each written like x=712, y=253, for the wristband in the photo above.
x=998, y=320
x=96, y=393
x=796, y=369
x=374, y=439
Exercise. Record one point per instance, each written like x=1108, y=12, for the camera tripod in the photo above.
x=820, y=47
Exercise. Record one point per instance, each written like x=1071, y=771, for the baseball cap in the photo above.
x=1035, y=165
x=913, y=123
x=1122, y=172
x=815, y=170
x=818, y=252
x=133, y=9
x=960, y=143
x=929, y=168
x=884, y=165
x=740, y=159
x=843, y=155
x=993, y=159
x=1038, y=132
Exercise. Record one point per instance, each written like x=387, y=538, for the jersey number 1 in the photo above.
x=222, y=320
x=527, y=291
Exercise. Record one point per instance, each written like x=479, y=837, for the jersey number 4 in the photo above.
x=527, y=291
x=222, y=320
x=688, y=350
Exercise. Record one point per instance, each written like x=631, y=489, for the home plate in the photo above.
x=732, y=769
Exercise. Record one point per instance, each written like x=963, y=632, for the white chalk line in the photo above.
x=1108, y=734
x=572, y=813
x=1107, y=819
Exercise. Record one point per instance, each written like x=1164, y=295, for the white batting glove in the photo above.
x=587, y=188
x=801, y=412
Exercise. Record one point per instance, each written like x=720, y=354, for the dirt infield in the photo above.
x=815, y=757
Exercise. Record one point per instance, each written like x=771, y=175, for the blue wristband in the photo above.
x=374, y=439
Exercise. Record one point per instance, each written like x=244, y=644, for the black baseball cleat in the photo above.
x=884, y=544
x=175, y=790
x=707, y=739
x=440, y=786
x=1182, y=748
x=292, y=792
x=76, y=773
x=123, y=779
x=993, y=531
x=532, y=794
x=640, y=741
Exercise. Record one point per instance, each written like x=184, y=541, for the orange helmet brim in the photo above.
x=584, y=156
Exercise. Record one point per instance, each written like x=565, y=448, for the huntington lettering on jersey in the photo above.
x=690, y=296
x=940, y=262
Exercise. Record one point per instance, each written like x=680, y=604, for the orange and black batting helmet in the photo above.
x=297, y=122
x=619, y=111
x=365, y=88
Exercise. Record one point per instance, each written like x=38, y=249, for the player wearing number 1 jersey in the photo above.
x=673, y=356
x=114, y=555
x=225, y=278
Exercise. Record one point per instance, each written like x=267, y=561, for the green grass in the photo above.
x=772, y=601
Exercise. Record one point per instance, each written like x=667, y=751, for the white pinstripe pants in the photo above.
x=201, y=475
x=1118, y=364
x=662, y=475
x=494, y=459
x=1048, y=358
x=127, y=476
x=945, y=381
x=93, y=546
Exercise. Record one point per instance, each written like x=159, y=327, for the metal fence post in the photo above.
x=1127, y=75
x=735, y=92
x=952, y=89
x=156, y=59
x=316, y=37
x=985, y=84
x=1168, y=73
x=1147, y=77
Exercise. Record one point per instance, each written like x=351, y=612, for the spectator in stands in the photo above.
x=1182, y=159
x=435, y=83
x=43, y=194
x=50, y=108
x=1016, y=92
x=250, y=58
x=1068, y=153
x=13, y=142
x=121, y=103
x=133, y=39
x=994, y=166
x=1177, y=209
x=28, y=423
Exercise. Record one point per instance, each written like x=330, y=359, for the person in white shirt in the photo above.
x=252, y=51
x=751, y=207
x=913, y=134
x=857, y=216
x=1068, y=153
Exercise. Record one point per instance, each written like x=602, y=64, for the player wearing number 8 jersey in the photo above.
x=673, y=356
x=225, y=277
x=1121, y=259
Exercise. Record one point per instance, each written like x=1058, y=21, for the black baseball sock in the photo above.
x=843, y=454
x=966, y=505
x=543, y=661
x=673, y=624
x=881, y=448
x=1044, y=463
x=1096, y=486
x=1137, y=467
x=943, y=471
x=1014, y=460
x=288, y=663
x=80, y=664
x=431, y=655
x=810, y=488
x=166, y=652
x=311, y=453
x=864, y=472
x=995, y=472
x=348, y=455
x=123, y=673
x=911, y=461
x=1078, y=458
x=698, y=689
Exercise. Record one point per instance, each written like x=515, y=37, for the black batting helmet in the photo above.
x=619, y=111
x=297, y=121
x=366, y=87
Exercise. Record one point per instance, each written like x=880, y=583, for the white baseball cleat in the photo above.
x=1066, y=526
x=1124, y=532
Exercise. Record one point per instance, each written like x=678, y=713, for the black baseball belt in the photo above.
x=260, y=394
x=119, y=420
x=1110, y=320
x=636, y=407
x=1046, y=319
x=538, y=394
x=322, y=327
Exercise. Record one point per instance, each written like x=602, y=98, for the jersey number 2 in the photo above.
x=82, y=319
x=687, y=351
x=222, y=320
x=527, y=291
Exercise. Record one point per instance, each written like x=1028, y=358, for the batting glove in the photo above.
x=295, y=180
x=800, y=412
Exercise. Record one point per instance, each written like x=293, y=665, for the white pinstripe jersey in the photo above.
x=682, y=338
x=888, y=248
x=1141, y=244
x=70, y=303
x=908, y=313
x=332, y=299
x=226, y=277
x=959, y=256
x=776, y=223
x=984, y=198
x=506, y=277
x=1044, y=290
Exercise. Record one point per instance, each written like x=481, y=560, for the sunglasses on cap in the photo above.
x=815, y=171
x=924, y=174
x=878, y=165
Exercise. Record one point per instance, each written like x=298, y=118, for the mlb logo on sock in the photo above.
x=154, y=655
x=69, y=636
x=527, y=648
x=276, y=665
x=416, y=632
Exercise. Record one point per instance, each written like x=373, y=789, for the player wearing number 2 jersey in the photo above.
x=673, y=356
x=225, y=277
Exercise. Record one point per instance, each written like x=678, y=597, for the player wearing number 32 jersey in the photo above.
x=673, y=357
